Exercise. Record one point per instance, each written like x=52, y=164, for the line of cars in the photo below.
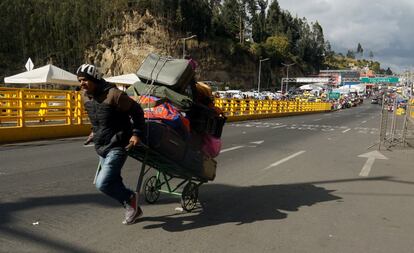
x=347, y=101
x=392, y=101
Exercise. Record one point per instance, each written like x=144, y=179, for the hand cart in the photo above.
x=167, y=170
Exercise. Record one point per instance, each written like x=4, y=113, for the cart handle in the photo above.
x=130, y=146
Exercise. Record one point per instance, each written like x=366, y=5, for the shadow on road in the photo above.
x=240, y=205
x=8, y=212
x=232, y=204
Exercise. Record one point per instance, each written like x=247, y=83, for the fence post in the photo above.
x=69, y=110
x=78, y=108
x=20, y=96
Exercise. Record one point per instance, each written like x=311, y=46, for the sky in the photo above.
x=385, y=27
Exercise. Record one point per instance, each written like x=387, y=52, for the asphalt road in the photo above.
x=293, y=184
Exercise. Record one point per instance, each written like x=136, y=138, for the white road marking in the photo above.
x=230, y=149
x=278, y=126
x=284, y=160
x=346, y=130
x=89, y=145
x=363, y=122
x=371, y=159
x=257, y=142
x=317, y=119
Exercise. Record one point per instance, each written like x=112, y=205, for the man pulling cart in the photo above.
x=174, y=126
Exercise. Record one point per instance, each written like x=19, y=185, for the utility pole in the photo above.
x=184, y=39
x=260, y=68
x=287, y=75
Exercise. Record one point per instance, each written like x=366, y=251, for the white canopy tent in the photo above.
x=360, y=88
x=48, y=74
x=310, y=87
x=306, y=87
x=123, y=81
x=127, y=79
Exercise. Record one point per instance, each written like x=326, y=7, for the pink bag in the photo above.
x=211, y=145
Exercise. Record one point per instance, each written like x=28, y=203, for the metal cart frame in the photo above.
x=167, y=170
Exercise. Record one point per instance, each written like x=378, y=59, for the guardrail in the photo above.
x=33, y=114
x=242, y=109
x=24, y=107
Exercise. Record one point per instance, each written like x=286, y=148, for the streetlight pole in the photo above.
x=260, y=69
x=184, y=39
x=287, y=75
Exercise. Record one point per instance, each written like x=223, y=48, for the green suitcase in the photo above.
x=176, y=74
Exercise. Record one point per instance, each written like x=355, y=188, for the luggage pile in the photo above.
x=182, y=122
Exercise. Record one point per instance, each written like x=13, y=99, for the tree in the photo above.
x=328, y=49
x=376, y=67
x=371, y=55
x=350, y=54
x=273, y=19
x=259, y=22
x=360, y=50
x=388, y=72
x=318, y=40
x=230, y=16
x=277, y=46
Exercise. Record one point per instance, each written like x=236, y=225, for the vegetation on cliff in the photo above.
x=61, y=31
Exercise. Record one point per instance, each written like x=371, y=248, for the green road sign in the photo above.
x=391, y=79
x=334, y=95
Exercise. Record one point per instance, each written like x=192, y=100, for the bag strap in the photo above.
x=160, y=69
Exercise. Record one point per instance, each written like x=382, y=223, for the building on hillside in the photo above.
x=341, y=77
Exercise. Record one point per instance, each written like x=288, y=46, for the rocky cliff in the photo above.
x=121, y=51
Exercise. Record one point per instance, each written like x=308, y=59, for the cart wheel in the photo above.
x=152, y=189
x=189, y=196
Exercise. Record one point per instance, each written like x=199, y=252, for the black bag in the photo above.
x=202, y=166
x=208, y=171
x=204, y=120
x=176, y=74
x=163, y=139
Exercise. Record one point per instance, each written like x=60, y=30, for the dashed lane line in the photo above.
x=284, y=160
x=279, y=126
x=230, y=149
x=346, y=130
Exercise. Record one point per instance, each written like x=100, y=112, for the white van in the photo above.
x=237, y=94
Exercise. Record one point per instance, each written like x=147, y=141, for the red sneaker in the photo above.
x=133, y=211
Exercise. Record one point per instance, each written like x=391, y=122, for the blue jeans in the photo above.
x=109, y=180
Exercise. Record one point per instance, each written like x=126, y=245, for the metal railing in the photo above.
x=253, y=107
x=26, y=107
x=32, y=114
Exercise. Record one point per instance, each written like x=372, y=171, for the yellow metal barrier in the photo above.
x=33, y=114
x=244, y=109
x=410, y=108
